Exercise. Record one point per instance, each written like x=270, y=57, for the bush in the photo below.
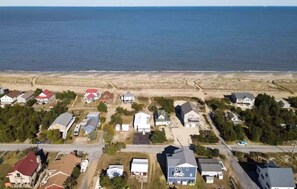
x=137, y=107
x=205, y=137
x=112, y=148
x=31, y=102
x=153, y=108
x=202, y=151
x=102, y=107
x=53, y=135
x=102, y=120
x=116, y=119
x=66, y=95
x=117, y=182
x=108, y=133
x=37, y=92
x=158, y=136
x=166, y=104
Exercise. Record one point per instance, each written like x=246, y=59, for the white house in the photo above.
x=285, y=104
x=115, y=170
x=84, y=165
x=243, y=99
x=45, y=97
x=128, y=97
x=274, y=177
x=91, y=95
x=23, y=98
x=63, y=123
x=142, y=122
x=10, y=97
x=190, y=115
x=210, y=169
x=139, y=167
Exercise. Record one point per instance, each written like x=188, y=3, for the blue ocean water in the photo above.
x=148, y=39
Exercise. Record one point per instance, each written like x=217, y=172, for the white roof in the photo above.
x=115, y=170
x=125, y=127
x=139, y=165
x=142, y=120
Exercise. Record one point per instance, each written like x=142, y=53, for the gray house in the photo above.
x=272, y=177
x=210, y=168
x=243, y=98
x=161, y=118
x=190, y=114
x=181, y=167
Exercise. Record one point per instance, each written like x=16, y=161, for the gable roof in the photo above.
x=188, y=107
x=162, y=113
x=209, y=164
x=27, y=165
x=48, y=94
x=128, y=94
x=181, y=156
x=243, y=95
x=13, y=94
x=65, y=164
x=27, y=95
x=91, y=91
x=279, y=177
x=63, y=119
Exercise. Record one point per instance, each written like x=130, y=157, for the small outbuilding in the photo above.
x=139, y=167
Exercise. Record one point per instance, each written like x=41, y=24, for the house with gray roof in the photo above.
x=128, y=98
x=210, y=168
x=91, y=125
x=23, y=98
x=181, y=167
x=190, y=114
x=63, y=123
x=274, y=177
x=162, y=118
x=243, y=98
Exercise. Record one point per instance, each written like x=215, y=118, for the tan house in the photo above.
x=24, y=172
x=59, y=170
x=63, y=123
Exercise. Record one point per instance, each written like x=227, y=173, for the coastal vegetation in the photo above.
x=158, y=136
x=66, y=96
x=293, y=101
x=102, y=107
x=204, y=137
x=166, y=104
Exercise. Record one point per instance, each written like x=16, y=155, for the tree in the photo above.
x=158, y=136
x=93, y=135
x=102, y=107
x=112, y=148
x=116, y=119
x=118, y=182
x=76, y=172
x=137, y=107
x=31, y=102
x=108, y=133
x=37, y=92
x=65, y=95
x=153, y=108
x=53, y=135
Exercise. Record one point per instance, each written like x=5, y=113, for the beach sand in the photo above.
x=190, y=84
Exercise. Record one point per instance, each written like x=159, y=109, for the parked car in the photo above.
x=241, y=143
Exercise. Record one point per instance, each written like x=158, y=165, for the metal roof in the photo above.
x=280, y=177
x=63, y=119
x=208, y=164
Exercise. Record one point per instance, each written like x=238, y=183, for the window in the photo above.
x=262, y=176
x=187, y=168
x=18, y=175
x=266, y=174
x=267, y=185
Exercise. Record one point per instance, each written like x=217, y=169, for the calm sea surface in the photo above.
x=148, y=39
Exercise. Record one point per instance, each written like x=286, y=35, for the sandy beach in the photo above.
x=198, y=84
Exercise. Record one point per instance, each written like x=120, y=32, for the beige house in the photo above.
x=190, y=114
x=24, y=172
x=63, y=123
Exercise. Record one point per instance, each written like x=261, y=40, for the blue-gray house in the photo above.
x=181, y=167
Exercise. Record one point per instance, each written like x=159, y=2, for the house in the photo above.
x=139, y=167
x=271, y=176
x=24, y=173
x=115, y=170
x=161, y=118
x=23, y=98
x=210, y=168
x=59, y=170
x=243, y=98
x=128, y=98
x=142, y=122
x=84, y=165
x=107, y=97
x=63, y=123
x=181, y=167
x=3, y=90
x=10, y=97
x=233, y=117
x=91, y=122
x=91, y=125
x=284, y=104
x=190, y=114
x=91, y=95
x=45, y=97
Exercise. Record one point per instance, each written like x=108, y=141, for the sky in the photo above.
x=148, y=2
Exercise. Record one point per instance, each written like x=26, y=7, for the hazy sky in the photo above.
x=148, y=2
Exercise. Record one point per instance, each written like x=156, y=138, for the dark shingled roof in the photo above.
x=243, y=95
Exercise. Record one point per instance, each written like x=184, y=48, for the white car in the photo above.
x=241, y=143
